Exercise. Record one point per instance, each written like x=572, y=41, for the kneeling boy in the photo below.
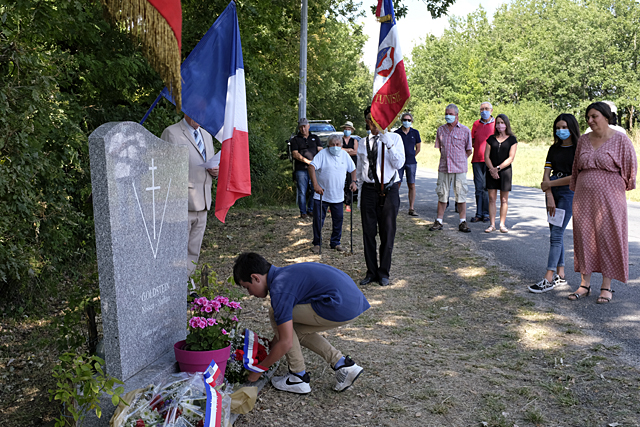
x=306, y=298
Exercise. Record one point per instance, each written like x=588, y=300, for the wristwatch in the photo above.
x=498, y=168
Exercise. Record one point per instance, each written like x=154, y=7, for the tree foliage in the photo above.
x=534, y=60
x=64, y=71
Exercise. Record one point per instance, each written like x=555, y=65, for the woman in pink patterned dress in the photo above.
x=604, y=167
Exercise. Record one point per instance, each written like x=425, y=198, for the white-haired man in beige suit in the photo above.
x=188, y=132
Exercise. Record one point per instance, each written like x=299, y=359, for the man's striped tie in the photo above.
x=198, y=139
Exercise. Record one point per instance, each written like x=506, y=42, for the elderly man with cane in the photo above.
x=327, y=171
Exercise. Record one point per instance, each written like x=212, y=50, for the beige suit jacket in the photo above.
x=199, y=178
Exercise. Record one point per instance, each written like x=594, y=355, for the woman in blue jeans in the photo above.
x=555, y=184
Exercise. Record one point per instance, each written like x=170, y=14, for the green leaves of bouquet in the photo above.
x=210, y=323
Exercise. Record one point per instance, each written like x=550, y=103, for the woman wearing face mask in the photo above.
x=604, y=168
x=500, y=152
x=350, y=145
x=555, y=184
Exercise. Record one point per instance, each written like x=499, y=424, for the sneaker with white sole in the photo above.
x=292, y=383
x=558, y=281
x=347, y=374
x=542, y=286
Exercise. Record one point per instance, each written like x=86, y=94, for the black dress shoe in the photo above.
x=384, y=281
x=366, y=281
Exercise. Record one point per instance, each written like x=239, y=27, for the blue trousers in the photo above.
x=305, y=192
x=319, y=214
x=480, y=183
x=563, y=198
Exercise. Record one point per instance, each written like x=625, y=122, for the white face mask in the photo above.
x=334, y=151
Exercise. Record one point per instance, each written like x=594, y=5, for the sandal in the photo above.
x=504, y=229
x=604, y=300
x=576, y=296
x=490, y=229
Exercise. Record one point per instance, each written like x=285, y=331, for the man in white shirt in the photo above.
x=380, y=156
x=327, y=171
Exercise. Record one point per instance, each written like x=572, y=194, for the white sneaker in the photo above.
x=542, y=286
x=292, y=383
x=558, y=281
x=347, y=374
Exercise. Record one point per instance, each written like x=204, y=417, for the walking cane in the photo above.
x=351, y=219
x=320, y=220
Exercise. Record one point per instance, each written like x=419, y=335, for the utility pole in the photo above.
x=302, y=91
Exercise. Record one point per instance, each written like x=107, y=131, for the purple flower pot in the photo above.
x=199, y=361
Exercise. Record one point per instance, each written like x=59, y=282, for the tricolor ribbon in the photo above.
x=250, y=357
x=213, y=417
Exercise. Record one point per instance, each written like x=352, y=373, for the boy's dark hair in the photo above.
x=249, y=263
x=367, y=111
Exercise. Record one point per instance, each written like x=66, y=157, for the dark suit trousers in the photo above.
x=380, y=219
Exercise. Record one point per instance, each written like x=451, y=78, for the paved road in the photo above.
x=525, y=250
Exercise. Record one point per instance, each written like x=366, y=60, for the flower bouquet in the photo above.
x=210, y=323
x=236, y=372
x=180, y=401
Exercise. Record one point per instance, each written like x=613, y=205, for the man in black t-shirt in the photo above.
x=304, y=147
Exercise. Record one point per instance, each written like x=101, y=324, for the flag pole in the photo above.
x=151, y=108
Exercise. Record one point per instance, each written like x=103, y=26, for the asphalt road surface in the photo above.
x=525, y=249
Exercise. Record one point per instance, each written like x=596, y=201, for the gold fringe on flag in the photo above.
x=159, y=43
x=385, y=18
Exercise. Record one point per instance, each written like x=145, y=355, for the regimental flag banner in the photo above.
x=158, y=25
x=214, y=95
x=213, y=417
x=250, y=357
x=390, y=87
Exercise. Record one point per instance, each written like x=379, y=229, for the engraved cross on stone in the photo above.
x=153, y=189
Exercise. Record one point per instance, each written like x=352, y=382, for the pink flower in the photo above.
x=216, y=305
x=234, y=305
x=224, y=332
x=201, y=301
x=235, y=319
x=193, y=322
x=208, y=309
x=202, y=322
x=211, y=322
x=222, y=300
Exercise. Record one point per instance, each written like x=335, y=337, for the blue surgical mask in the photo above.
x=335, y=151
x=449, y=118
x=347, y=132
x=406, y=124
x=368, y=132
x=485, y=114
x=563, y=133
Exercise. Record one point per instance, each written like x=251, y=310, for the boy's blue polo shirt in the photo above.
x=333, y=295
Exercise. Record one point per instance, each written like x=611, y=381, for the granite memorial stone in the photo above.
x=140, y=185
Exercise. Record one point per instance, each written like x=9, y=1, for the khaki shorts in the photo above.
x=460, y=187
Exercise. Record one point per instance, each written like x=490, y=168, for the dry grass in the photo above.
x=455, y=341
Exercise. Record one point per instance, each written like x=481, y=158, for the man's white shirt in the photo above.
x=331, y=172
x=394, y=157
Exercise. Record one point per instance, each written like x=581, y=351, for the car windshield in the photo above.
x=321, y=127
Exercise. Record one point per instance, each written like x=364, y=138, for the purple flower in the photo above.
x=211, y=322
x=216, y=305
x=202, y=322
x=235, y=319
x=234, y=305
x=208, y=309
x=193, y=322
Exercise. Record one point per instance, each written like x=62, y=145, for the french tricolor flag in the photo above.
x=214, y=95
x=390, y=87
